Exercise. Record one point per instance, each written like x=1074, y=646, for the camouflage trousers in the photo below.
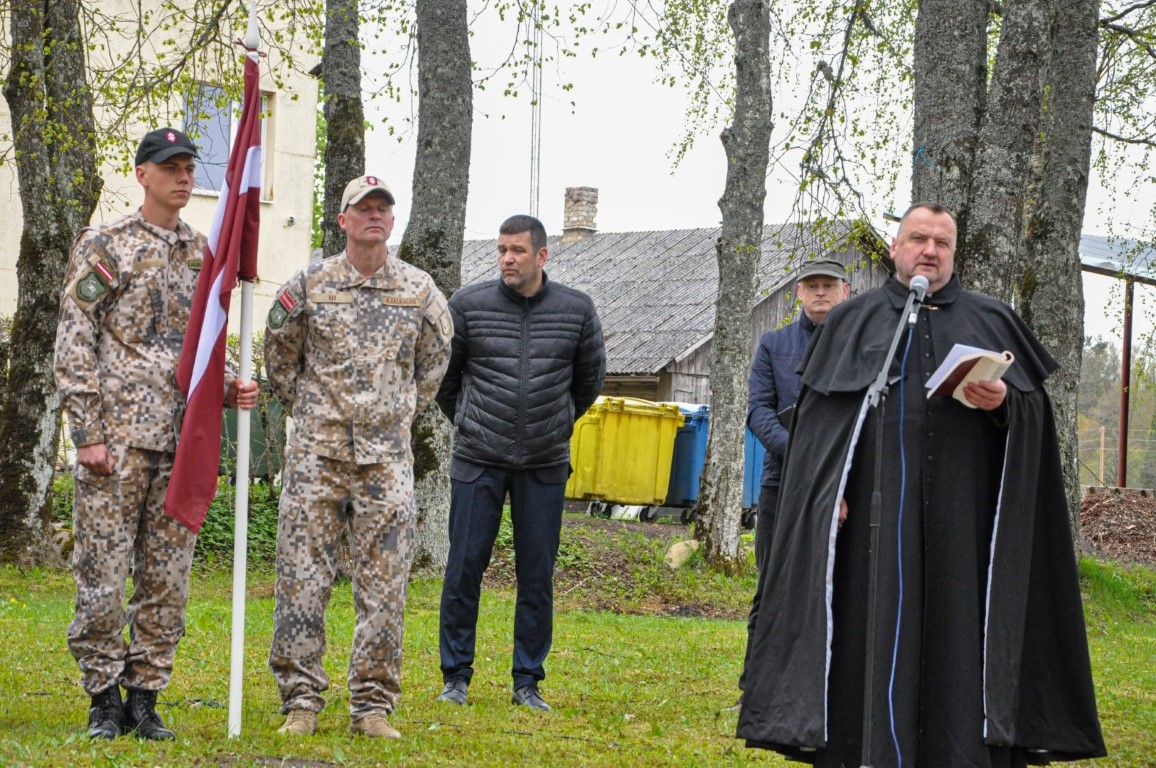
x=120, y=529
x=319, y=498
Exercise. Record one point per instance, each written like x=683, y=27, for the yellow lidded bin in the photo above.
x=621, y=451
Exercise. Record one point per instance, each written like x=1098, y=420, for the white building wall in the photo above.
x=286, y=207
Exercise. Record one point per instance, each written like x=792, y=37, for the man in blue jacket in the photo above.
x=771, y=393
x=527, y=360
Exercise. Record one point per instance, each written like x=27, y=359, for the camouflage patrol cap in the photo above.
x=356, y=190
x=163, y=143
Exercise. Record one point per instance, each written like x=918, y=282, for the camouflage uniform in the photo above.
x=123, y=314
x=354, y=359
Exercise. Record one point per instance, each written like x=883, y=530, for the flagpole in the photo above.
x=241, y=521
x=241, y=514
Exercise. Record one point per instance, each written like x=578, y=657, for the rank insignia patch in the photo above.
x=105, y=272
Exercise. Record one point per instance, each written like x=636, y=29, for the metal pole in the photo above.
x=1125, y=386
x=241, y=521
x=535, y=23
x=877, y=400
x=1103, y=432
x=241, y=509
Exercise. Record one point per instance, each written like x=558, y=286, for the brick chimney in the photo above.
x=578, y=215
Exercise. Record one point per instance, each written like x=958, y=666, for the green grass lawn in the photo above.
x=630, y=687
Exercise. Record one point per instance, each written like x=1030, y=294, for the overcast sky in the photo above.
x=619, y=138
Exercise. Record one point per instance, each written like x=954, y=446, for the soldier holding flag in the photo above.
x=123, y=315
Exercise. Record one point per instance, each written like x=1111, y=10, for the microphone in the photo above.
x=919, y=287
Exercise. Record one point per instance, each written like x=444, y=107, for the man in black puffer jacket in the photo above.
x=527, y=360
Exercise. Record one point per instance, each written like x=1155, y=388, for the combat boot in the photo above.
x=299, y=722
x=106, y=715
x=141, y=718
x=375, y=726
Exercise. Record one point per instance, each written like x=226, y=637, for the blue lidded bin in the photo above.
x=689, y=455
x=753, y=454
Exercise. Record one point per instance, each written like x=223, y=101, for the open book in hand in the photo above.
x=965, y=364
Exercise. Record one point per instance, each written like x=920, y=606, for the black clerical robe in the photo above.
x=980, y=655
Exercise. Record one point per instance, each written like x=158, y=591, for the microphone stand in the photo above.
x=877, y=399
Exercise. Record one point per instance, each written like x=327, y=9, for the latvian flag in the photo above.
x=231, y=253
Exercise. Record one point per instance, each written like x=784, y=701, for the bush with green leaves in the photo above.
x=215, y=542
x=62, y=492
x=570, y=555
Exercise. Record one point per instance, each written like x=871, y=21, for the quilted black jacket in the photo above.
x=522, y=370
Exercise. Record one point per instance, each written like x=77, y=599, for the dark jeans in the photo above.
x=476, y=501
x=764, y=528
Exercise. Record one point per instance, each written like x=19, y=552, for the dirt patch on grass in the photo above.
x=617, y=566
x=1121, y=525
x=591, y=548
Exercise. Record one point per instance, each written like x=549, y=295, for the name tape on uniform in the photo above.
x=331, y=298
x=144, y=264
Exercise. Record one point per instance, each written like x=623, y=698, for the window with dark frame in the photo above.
x=210, y=121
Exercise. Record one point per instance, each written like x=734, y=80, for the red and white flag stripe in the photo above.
x=231, y=253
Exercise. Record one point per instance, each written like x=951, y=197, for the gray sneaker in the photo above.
x=528, y=696
x=454, y=690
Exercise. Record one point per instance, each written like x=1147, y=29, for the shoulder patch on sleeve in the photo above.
x=92, y=283
x=282, y=307
x=90, y=287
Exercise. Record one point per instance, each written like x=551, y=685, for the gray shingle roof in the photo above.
x=1112, y=255
x=655, y=291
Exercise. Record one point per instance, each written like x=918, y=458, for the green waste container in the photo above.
x=621, y=451
x=266, y=438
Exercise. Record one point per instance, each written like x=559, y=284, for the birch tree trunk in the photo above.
x=344, y=115
x=950, y=93
x=988, y=256
x=1051, y=287
x=747, y=145
x=55, y=141
x=1022, y=211
x=433, y=238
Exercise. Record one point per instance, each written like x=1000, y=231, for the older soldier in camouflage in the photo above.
x=128, y=290
x=355, y=347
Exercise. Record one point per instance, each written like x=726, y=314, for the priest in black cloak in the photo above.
x=980, y=657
